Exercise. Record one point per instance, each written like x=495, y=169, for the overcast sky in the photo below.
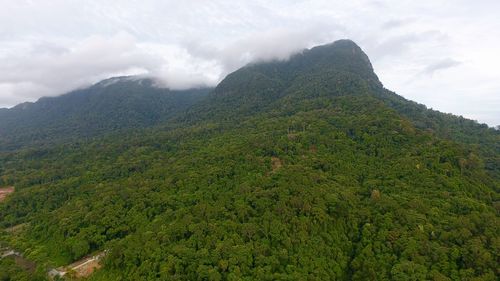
x=444, y=54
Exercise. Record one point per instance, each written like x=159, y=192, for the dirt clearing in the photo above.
x=86, y=267
x=5, y=191
x=275, y=163
x=80, y=269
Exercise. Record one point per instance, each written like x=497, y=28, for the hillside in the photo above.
x=305, y=169
x=110, y=105
x=312, y=78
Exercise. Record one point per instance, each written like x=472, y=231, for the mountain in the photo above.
x=333, y=69
x=315, y=77
x=304, y=169
x=113, y=104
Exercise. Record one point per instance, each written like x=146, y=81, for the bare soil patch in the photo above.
x=25, y=264
x=16, y=228
x=5, y=191
x=8, y=253
x=275, y=163
x=85, y=268
x=82, y=268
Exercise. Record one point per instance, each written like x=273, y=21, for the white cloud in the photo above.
x=49, y=47
x=179, y=69
x=268, y=45
x=49, y=69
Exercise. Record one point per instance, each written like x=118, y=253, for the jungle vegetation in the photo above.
x=305, y=169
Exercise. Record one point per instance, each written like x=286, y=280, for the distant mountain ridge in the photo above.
x=112, y=104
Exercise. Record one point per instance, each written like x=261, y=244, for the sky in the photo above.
x=442, y=53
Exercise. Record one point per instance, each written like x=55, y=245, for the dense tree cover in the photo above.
x=317, y=173
x=11, y=271
x=110, y=105
x=484, y=140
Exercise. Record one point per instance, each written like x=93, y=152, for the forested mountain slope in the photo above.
x=311, y=78
x=113, y=104
x=305, y=169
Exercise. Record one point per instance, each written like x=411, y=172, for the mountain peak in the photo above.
x=343, y=55
x=347, y=48
x=344, y=43
x=341, y=43
x=342, y=61
x=135, y=79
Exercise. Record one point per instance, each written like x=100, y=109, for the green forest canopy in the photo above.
x=300, y=170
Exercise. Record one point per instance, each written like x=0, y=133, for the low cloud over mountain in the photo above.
x=48, y=49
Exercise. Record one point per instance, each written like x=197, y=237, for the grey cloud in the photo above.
x=394, y=46
x=401, y=43
x=440, y=65
x=396, y=23
x=48, y=48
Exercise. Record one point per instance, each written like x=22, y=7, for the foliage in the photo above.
x=115, y=104
x=297, y=170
